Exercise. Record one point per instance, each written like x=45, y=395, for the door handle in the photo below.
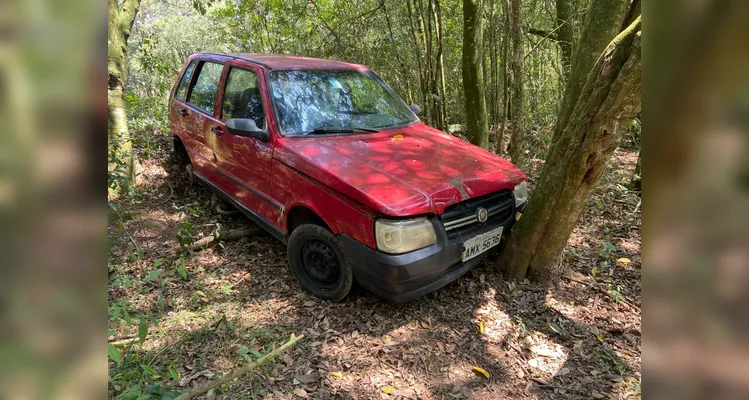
x=182, y=112
x=217, y=129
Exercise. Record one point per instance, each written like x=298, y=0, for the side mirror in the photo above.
x=246, y=127
x=415, y=108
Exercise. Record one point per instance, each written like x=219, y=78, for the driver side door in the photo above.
x=245, y=161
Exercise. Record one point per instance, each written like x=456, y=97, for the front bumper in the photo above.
x=405, y=277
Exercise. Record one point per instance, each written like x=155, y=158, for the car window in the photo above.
x=242, y=97
x=306, y=100
x=182, y=88
x=203, y=93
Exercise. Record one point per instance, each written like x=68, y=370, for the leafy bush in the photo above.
x=147, y=113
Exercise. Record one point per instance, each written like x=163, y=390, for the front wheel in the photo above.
x=317, y=260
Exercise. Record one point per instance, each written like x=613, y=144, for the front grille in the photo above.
x=460, y=219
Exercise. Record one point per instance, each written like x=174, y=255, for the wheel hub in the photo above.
x=320, y=264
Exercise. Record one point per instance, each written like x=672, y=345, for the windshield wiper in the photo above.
x=325, y=131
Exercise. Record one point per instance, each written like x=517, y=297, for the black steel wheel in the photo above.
x=320, y=264
x=317, y=260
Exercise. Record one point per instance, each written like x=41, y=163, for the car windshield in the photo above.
x=319, y=100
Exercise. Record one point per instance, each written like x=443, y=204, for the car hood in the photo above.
x=400, y=172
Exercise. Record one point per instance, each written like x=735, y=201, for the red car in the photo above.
x=331, y=161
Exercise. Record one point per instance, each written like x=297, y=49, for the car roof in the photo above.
x=282, y=62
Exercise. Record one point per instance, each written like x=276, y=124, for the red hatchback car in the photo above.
x=329, y=159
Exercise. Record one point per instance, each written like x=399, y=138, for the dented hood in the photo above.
x=400, y=172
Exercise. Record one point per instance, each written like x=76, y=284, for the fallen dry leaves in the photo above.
x=480, y=337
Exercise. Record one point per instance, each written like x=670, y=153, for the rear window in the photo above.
x=182, y=88
x=203, y=93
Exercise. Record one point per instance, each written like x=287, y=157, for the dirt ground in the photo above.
x=209, y=311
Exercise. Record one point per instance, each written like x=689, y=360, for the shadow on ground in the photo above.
x=240, y=300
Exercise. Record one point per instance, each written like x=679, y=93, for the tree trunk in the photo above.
x=441, y=61
x=118, y=31
x=636, y=182
x=403, y=69
x=564, y=33
x=517, y=141
x=493, y=105
x=421, y=28
x=505, y=77
x=608, y=102
x=419, y=51
x=473, y=77
x=603, y=21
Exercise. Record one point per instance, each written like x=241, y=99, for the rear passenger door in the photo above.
x=178, y=106
x=245, y=161
x=199, y=114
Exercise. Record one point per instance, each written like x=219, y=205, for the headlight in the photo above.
x=521, y=194
x=402, y=236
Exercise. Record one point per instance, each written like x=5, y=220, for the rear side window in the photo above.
x=203, y=93
x=182, y=88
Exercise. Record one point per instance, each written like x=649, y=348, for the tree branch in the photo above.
x=540, y=32
x=228, y=377
x=217, y=236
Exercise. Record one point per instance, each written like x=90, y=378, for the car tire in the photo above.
x=179, y=154
x=318, y=262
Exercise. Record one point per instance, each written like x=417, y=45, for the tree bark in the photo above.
x=608, y=102
x=493, y=79
x=118, y=31
x=441, y=62
x=473, y=77
x=505, y=77
x=603, y=21
x=403, y=69
x=419, y=51
x=635, y=183
x=564, y=33
x=421, y=28
x=517, y=140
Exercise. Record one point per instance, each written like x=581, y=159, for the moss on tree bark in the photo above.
x=609, y=100
x=118, y=31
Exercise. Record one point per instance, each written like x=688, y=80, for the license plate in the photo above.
x=481, y=243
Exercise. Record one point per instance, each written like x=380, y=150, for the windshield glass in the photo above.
x=335, y=100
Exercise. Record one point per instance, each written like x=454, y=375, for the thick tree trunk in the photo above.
x=564, y=33
x=608, y=102
x=517, y=141
x=473, y=77
x=118, y=31
x=603, y=21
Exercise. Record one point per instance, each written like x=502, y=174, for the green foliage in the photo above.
x=117, y=175
x=166, y=33
x=185, y=233
x=181, y=267
x=616, y=293
x=146, y=114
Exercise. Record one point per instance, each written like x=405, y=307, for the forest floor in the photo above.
x=210, y=311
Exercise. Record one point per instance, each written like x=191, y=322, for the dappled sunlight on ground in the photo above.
x=237, y=300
